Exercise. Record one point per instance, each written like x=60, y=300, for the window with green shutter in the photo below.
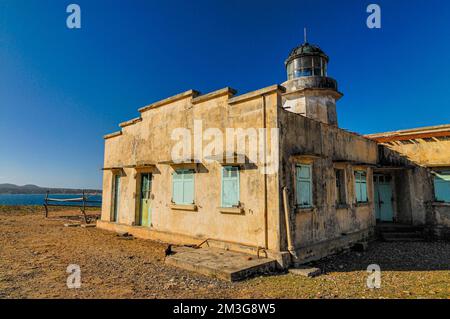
x=361, y=187
x=442, y=186
x=183, y=186
x=304, y=185
x=230, y=186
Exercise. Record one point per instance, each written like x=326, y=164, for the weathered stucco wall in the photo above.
x=319, y=107
x=328, y=148
x=318, y=231
x=441, y=221
x=150, y=141
x=414, y=184
x=429, y=152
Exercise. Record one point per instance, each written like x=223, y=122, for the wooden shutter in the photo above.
x=304, y=185
x=230, y=186
x=183, y=186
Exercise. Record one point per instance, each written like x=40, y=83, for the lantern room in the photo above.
x=306, y=60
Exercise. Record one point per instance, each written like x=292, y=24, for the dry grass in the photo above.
x=35, y=252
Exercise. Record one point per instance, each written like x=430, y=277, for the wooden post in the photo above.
x=84, y=209
x=45, y=204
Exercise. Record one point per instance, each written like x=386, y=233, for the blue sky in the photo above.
x=61, y=90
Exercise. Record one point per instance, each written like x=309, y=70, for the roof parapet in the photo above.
x=256, y=94
x=174, y=98
x=410, y=134
x=426, y=129
x=206, y=97
x=107, y=136
x=130, y=122
x=197, y=98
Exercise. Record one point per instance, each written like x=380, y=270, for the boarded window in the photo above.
x=341, y=197
x=183, y=186
x=304, y=185
x=442, y=186
x=230, y=186
x=361, y=187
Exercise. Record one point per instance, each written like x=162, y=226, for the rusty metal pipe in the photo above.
x=291, y=246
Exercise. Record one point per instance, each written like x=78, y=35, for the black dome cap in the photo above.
x=306, y=49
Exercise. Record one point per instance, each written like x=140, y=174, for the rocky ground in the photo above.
x=35, y=253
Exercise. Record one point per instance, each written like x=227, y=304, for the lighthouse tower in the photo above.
x=309, y=91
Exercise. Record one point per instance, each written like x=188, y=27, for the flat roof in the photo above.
x=410, y=134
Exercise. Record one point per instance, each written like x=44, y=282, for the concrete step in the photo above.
x=399, y=232
x=219, y=263
x=398, y=228
x=309, y=272
x=393, y=239
x=402, y=236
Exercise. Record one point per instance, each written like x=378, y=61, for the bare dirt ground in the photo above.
x=35, y=253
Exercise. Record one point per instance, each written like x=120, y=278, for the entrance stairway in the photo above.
x=391, y=232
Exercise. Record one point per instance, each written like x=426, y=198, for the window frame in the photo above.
x=309, y=65
x=445, y=172
x=343, y=186
x=360, y=182
x=299, y=180
x=237, y=179
x=183, y=182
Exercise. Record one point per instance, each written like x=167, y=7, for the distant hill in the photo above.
x=33, y=189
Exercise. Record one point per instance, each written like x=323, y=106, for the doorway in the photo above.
x=145, y=207
x=383, y=197
x=116, y=198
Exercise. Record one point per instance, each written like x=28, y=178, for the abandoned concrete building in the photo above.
x=414, y=178
x=316, y=189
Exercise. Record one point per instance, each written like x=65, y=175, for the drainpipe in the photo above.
x=291, y=246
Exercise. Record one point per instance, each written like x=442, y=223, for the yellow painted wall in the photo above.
x=150, y=141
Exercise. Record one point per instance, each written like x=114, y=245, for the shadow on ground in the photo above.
x=398, y=256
